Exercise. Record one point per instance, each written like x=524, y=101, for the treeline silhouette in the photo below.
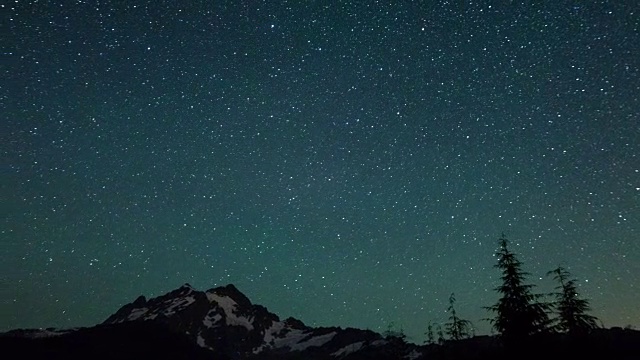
x=527, y=324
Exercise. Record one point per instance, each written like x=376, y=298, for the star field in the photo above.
x=345, y=163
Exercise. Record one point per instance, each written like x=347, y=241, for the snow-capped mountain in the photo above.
x=225, y=321
x=222, y=323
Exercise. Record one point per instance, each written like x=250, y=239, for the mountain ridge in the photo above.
x=223, y=323
x=224, y=318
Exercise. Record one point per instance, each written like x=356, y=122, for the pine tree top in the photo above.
x=572, y=309
x=519, y=312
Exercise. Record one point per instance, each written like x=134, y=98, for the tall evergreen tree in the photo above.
x=457, y=328
x=518, y=313
x=430, y=337
x=440, y=333
x=392, y=333
x=572, y=310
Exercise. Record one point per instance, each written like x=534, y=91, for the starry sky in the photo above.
x=348, y=163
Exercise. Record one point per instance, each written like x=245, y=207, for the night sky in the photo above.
x=348, y=163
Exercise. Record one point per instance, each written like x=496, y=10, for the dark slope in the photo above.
x=133, y=340
x=222, y=323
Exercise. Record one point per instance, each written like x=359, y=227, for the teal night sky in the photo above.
x=348, y=163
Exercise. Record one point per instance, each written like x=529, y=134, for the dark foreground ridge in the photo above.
x=133, y=340
x=222, y=323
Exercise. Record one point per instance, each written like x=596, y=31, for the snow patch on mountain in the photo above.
x=269, y=336
x=209, y=320
x=275, y=328
x=45, y=333
x=299, y=340
x=313, y=341
x=351, y=348
x=228, y=305
x=290, y=338
x=137, y=313
x=202, y=343
x=413, y=355
x=178, y=305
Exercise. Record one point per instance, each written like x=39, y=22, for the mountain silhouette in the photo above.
x=222, y=323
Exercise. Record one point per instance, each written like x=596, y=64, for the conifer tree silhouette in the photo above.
x=430, y=337
x=457, y=328
x=518, y=312
x=572, y=310
x=441, y=339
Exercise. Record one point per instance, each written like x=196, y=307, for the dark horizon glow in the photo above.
x=347, y=164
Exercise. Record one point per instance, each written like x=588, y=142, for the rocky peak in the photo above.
x=294, y=323
x=140, y=301
x=233, y=293
x=224, y=319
